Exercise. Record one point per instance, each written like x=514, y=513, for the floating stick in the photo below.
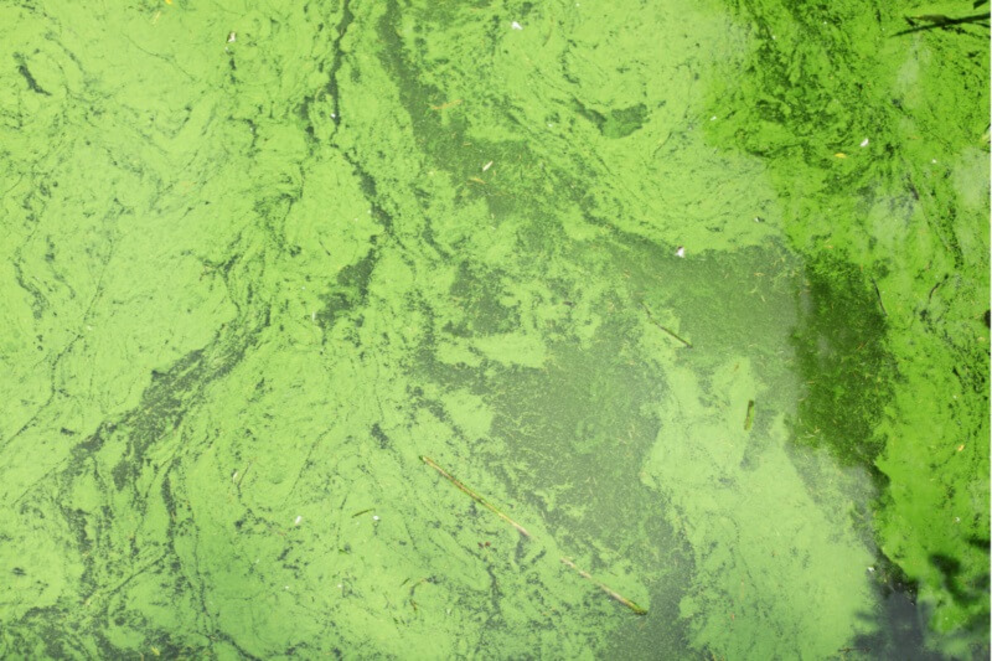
x=653, y=321
x=749, y=418
x=482, y=501
x=476, y=497
x=616, y=595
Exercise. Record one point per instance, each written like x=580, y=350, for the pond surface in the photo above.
x=418, y=329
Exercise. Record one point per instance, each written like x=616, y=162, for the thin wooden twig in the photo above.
x=613, y=593
x=482, y=501
x=653, y=321
x=476, y=497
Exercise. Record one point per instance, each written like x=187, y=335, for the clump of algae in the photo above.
x=875, y=141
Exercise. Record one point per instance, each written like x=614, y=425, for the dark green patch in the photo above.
x=349, y=290
x=842, y=359
x=476, y=291
x=617, y=123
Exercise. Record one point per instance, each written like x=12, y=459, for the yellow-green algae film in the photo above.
x=695, y=294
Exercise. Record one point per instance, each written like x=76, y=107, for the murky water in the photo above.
x=494, y=330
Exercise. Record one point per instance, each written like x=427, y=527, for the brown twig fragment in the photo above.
x=476, y=497
x=482, y=501
x=651, y=317
x=613, y=593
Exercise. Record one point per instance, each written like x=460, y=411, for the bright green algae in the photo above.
x=251, y=281
x=909, y=209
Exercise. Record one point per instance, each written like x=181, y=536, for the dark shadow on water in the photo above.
x=900, y=627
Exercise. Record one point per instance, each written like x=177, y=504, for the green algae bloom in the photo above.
x=689, y=300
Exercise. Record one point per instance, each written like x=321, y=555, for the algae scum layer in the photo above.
x=437, y=329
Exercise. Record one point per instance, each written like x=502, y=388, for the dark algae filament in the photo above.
x=423, y=329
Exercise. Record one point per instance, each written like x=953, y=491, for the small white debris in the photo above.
x=871, y=570
x=231, y=38
x=713, y=118
x=516, y=26
x=234, y=478
x=375, y=517
x=487, y=166
x=864, y=143
x=680, y=251
x=297, y=522
x=933, y=160
x=334, y=115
